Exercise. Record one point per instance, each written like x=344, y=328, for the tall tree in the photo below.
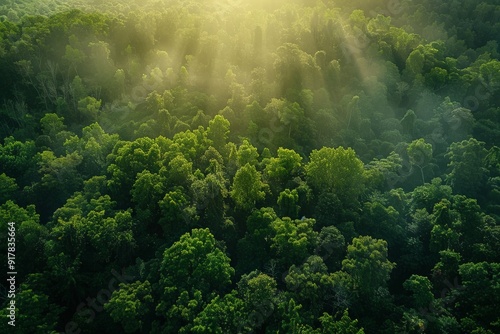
x=420, y=154
x=192, y=272
x=247, y=187
x=131, y=305
x=336, y=170
x=367, y=263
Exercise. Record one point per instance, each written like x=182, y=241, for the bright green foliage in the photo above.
x=293, y=239
x=281, y=169
x=130, y=304
x=247, y=154
x=130, y=158
x=336, y=170
x=447, y=265
x=367, y=263
x=54, y=129
x=180, y=172
x=147, y=188
x=192, y=271
x=292, y=321
x=247, y=187
x=91, y=198
x=59, y=170
x=489, y=73
x=18, y=159
x=196, y=259
x=88, y=233
x=190, y=144
x=245, y=309
x=95, y=144
x=390, y=169
x=212, y=160
x=89, y=109
x=218, y=131
x=52, y=124
x=100, y=236
x=429, y=194
x=221, y=315
x=259, y=293
x=345, y=325
x=415, y=62
x=287, y=203
x=30, y=236
x=259, y=222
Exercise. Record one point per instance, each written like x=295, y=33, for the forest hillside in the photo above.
x=288, y=166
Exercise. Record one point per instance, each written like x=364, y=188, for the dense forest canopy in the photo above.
x=289, y=166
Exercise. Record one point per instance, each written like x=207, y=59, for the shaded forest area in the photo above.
x=251, y=166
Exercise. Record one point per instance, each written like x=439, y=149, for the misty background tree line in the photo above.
x=286, y=166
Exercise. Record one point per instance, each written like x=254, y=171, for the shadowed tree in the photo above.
x=367, y=263
x=468, y=173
